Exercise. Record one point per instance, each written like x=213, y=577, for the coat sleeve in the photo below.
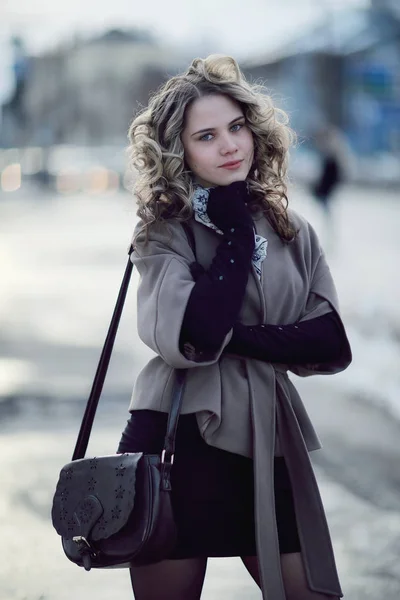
x=165, y=284
x=322, y=299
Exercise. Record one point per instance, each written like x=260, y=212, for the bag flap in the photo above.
x=95, y=496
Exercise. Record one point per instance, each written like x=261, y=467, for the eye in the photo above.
x=238, y=126
x=203, y=137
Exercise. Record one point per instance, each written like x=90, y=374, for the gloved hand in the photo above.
x=227, y=206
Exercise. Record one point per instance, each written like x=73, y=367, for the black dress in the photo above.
x=212, y=490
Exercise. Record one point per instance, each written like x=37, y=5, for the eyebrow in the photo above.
x=213, y=128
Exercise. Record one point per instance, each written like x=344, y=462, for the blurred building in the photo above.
x=346, y=72
x=86, y=93
x=13, y=110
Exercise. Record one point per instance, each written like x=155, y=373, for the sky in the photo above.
x=243, y=28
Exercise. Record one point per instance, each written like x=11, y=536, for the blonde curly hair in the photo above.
x=164, y=184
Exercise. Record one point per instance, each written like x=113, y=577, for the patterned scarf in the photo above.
x=200, y=201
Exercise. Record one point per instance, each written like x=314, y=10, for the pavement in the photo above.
x=62, y=261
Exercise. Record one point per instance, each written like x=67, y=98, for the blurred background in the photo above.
x=71, y=79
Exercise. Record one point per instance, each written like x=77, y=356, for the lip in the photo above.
x=233, y=164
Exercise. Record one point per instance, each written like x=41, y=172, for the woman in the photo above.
x=251, y=299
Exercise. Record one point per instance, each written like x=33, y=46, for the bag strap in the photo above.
x=190, y=236
x=102, y=367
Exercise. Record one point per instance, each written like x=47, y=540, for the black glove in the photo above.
x=227, y=206
x=317, y=340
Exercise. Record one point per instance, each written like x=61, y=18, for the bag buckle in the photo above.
x=86, y=550
x=80, y=540
x=171, y=460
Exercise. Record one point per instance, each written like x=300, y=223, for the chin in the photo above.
x=234, y=177
x=227, y=179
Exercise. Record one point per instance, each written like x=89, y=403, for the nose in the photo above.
x=228, y=145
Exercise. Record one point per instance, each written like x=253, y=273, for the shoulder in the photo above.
x=306, y=234
x=299, y=222
x=161, y=237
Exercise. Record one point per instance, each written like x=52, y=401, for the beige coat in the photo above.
x=244, y=405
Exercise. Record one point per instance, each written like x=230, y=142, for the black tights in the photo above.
x=183, y=579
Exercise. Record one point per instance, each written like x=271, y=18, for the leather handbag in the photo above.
x=115, y=511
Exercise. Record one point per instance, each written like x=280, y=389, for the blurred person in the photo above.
x=250, y=299
x=333, y=170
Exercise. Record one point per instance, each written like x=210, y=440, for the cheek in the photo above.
x=250, y=143
x=191, y=159
x=199, y=159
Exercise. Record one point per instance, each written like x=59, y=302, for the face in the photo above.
x=218, y=145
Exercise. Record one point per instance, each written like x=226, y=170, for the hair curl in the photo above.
x=164, y=184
